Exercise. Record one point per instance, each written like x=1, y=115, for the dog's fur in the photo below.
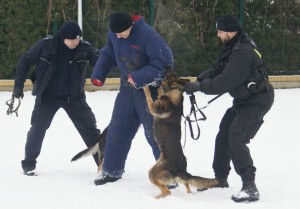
x=171, y=165
x=98, y=148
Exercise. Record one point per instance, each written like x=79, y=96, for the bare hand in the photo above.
x=130, y=80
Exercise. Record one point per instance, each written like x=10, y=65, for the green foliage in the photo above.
x=187, y=25
x=19, y=29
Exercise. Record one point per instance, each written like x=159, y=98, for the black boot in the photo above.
x=104, y=178
x=248, y=193
x=29, y=171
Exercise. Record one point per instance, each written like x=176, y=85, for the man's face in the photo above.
x=124, y=34
x=225, y=36
x=72, y=43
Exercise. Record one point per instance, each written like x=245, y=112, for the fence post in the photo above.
x=242, y=11
x=151, y=12
x=54, y=21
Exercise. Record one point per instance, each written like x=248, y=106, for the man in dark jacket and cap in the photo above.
x=142, y=56
x=241, y=72
x=58, y=79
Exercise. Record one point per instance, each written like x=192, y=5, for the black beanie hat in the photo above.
x=70, y=30
x=119, y=22
x=228, y=23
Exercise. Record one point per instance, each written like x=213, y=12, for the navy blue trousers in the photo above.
x=80, y=113
x=130, y=111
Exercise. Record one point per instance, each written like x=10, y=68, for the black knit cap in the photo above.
x=70, y=30
x=119, y=22
x=228, y=23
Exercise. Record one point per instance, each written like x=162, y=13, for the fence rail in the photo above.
x=278, y=82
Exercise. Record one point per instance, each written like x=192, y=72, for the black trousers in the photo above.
x=80, y=113
x=238, y=126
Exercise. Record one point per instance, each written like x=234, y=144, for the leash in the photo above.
x=193, y=113
x=192, y=117
x=210, y=101
x=10, y=104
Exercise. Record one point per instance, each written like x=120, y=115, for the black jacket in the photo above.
x=232, y=72
x=43, y=55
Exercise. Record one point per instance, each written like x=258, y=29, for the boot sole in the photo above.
x=246, y=199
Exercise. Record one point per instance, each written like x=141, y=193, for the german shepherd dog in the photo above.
x=167, y=111
x=98, y=148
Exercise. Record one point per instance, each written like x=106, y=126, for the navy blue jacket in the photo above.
x=143, y=56
x=43, y=54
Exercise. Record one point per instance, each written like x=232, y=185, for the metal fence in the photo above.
x=274, y=25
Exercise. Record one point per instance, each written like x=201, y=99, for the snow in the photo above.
x=65, y=185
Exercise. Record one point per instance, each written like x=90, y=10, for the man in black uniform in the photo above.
x=241, y=72
x=60, y=63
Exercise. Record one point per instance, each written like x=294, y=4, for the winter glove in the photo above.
x=191, y=87
x=18, y=93
x=199, y=78
x=97, y=82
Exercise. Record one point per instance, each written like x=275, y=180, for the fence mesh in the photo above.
x=187, y=25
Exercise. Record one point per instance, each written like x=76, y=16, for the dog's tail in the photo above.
x=199, y=182
x=87, y=152
x=97, y=148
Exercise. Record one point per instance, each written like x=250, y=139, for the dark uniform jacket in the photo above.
x=44, y=55
x=240, y=71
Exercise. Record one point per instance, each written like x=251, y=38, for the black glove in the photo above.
x=191, y=87
x=199, y=78
x=18, y=93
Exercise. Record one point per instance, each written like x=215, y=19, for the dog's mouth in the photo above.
x=173, y=81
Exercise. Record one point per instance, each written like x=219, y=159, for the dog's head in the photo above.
x=173, y=81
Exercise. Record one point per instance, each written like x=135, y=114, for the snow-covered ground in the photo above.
x=65, y=185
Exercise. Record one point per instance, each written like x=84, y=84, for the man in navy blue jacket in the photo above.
x=60, y=63
x=142, y=56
